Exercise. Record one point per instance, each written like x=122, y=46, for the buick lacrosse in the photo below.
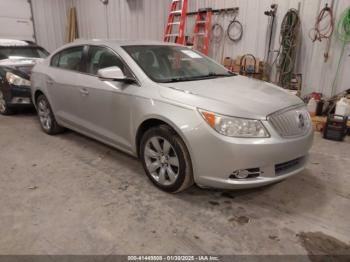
x=187, y=118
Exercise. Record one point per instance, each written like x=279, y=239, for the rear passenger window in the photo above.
x=69, y=59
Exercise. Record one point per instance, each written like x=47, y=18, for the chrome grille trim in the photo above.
x=291, y=122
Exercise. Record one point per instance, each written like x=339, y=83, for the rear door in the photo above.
x=65, y=85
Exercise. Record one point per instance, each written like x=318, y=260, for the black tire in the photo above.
x=184, y=177
x=54, y=128
x=4, y=108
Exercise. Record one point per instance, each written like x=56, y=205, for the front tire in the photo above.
x=4, y=109
x=166, y=160
x=46, y=117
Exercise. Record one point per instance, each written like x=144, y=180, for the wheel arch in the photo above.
x=37, y=93
x=153, y=121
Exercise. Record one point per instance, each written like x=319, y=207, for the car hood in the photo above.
x=235, y=96
x=23, y=65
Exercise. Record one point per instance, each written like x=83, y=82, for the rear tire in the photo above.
x=4, y=109
x=166, y=160
x=47, y=119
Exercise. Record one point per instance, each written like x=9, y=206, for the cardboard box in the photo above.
x=235, y=68
x=228, y=61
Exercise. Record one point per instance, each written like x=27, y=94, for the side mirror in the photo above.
x=112, y=73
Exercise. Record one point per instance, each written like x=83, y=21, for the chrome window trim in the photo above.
x=137, y=81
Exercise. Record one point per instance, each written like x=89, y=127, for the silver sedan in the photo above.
x=186, y=117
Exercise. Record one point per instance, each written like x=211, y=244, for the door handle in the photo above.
x=84, y=91
x=49, y=81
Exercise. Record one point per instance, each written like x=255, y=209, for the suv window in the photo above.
x=69, y=59
x=101, y=57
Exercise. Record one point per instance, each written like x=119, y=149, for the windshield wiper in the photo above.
x=203, y=77
x=181, y=79
x=228, y=74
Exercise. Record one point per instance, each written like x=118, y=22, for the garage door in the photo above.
x=15, y=20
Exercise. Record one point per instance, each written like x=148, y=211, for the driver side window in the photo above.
x=101, y=57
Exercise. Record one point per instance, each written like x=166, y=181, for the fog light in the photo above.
x=241, y=174
x=20, y=100
x=246, y=173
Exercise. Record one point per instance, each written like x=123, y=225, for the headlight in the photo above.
x=16, y=80
x=235, y=127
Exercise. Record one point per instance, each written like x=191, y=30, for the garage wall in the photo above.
x=318, y=76
x=50, y=18
x=16, y=20
x=145, y=19
x=122, y=19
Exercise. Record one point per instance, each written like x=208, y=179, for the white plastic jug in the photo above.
x=312, y=106
x=343, y=107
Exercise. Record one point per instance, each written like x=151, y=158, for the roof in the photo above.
x=120, y=42
x=14, y=42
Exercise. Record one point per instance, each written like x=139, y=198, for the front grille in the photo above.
x=280, y=168
x=291, y=122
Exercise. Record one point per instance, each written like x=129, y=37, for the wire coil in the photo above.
x=324, y=26
x=235, y=24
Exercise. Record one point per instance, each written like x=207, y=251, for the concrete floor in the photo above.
x=72, y=195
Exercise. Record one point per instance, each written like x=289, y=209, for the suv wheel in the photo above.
x=166, y=160
x=4, y=109
x=47, y=119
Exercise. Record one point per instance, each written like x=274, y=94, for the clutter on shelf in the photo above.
x=330, y=116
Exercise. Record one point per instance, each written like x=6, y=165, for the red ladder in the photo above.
x=202, y=30
x=178, y=8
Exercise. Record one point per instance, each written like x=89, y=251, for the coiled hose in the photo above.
x=324, y=28
x=289, y=41
x=343, y=28
x=343, y=34
x=234, y=26
x=324, y=25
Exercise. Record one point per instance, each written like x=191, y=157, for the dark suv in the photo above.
x=17, y=58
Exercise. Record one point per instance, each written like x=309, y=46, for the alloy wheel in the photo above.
x=44, y=113
x=162, y=161
x=2, y=103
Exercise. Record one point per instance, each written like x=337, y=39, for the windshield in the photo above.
x=167, y=64
x=20, y=52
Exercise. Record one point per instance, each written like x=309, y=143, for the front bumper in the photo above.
x=215, y=157
x=18, y=96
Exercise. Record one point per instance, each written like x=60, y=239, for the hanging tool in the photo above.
x=202, y=30
x=232, y=29
x=271, y=30
x=217, y=35
x=272, y=18
x=324, y=28
x=177, y=18
x=290, y=30
x=217, y=31
x=234, y=12
x=343, y=34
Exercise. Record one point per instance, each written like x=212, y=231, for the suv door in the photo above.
x=107, y=106
x=64, y=85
